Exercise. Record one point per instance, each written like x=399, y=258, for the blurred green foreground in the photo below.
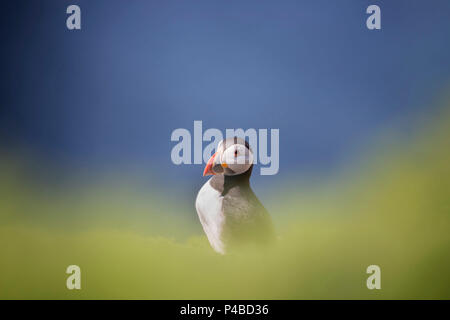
x=391, y=208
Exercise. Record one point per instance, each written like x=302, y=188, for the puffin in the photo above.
x=229, y=211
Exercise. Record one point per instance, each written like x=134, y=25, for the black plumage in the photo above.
x=246, y=219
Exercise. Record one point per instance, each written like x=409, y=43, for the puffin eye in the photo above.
x=235, y=152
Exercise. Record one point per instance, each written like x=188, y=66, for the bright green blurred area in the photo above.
x=391, y=208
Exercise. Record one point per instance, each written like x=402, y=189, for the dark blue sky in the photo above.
x=111, y=93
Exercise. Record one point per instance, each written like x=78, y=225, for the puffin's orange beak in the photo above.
x=208, y=169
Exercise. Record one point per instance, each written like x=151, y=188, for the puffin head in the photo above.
x=234, y=156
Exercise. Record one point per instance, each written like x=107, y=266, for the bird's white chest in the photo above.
x=210, y=211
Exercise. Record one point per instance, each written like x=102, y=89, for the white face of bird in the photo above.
x=237, y=158
x=233, y=157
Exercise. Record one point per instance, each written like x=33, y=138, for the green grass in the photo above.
x=391, y=208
